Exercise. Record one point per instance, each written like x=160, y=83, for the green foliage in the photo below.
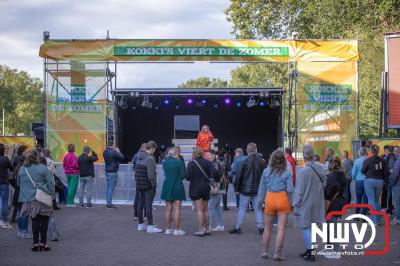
x=365, y=20
x=22, y=100
x=204, y=82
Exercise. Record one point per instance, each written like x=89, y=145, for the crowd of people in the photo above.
x=273, y=189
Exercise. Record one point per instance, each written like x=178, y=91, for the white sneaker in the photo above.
x=219, y=228
x=141, y=227
x=9, y=226
x=153, y=230
x=5, y=225
x=169, y=231
x=179, y=232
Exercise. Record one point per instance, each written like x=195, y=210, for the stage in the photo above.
x=235, y=117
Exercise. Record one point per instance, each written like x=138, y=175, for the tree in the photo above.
x=365, y=20
x=204, y=82
x=22, y=100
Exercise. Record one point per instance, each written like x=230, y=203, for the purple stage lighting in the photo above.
x=190, y=101
x=227, y=100
x=166, y=101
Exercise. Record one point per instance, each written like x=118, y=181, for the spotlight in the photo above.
x=275, y=103
x=227, y=100
x=190, y=100
x=166, y=101
x=203, y=101
x=177, y=107
x=122, y=103
x=251, y=102
x=146, y=103
x=238, y=104
x=262, y=103
x=216, y=104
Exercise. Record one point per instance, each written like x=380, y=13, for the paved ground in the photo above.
x=109, y=237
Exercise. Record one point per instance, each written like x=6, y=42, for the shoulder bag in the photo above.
x=327, y=202
x=40, y=196
x=214, y=186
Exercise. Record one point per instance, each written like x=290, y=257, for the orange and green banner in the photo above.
x=77, y=123
x=383, y=142
x=327, y=105
x=201, y=50
x=11, y=143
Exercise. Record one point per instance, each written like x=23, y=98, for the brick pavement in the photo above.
x=109, y=237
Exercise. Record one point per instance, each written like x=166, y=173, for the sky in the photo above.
x=22, y=23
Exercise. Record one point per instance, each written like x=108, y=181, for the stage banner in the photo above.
x=12, y=142
x=76, y=108
x=383, y=142
x=327, y=105
x=78, y=123
x=392, y=67
x=201, y=50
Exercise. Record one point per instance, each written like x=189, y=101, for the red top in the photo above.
x=204, y=140
x=292, y=162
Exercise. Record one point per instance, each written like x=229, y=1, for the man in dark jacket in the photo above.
x=386, y=197
x=375, y=170
x=246, y=185
x=146, y=184
x=86, y=170
x=394, y=182
x=5, y=166
x=112, y=157
x=134, y=162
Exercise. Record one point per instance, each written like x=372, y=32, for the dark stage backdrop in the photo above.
x=235, y=126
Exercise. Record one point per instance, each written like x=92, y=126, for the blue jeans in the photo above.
x=4, y=193
x=86, y=181
x=347, y=192
x=361, y=196
x=214, y=206
x=111, y=180
x=373, y=189
x=396, y=200
x=243, y=203
x=307, y=237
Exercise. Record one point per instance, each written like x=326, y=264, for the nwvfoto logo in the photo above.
x=338, y=233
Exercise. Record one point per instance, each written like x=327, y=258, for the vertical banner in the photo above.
x=76, y=109
x=392, y=67
x=327, y=105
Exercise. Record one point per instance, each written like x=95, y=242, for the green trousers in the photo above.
x=72, y=187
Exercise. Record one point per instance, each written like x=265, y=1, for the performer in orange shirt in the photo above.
x=205, y=138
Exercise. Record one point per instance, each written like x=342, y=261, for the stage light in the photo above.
x=190, y=100
x=122, y=103
x=227, y=100
x=238, y=104
x=177, y=107
x=251, y=102
x=215, y=106
x=203, y=101
x=166, y=101
x=275, y=103
x=262, y=103
x=146, y=103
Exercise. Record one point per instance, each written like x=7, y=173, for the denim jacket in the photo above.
x=356, y=172
x=272, y=182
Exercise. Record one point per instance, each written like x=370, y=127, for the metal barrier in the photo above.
x=126, y=187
